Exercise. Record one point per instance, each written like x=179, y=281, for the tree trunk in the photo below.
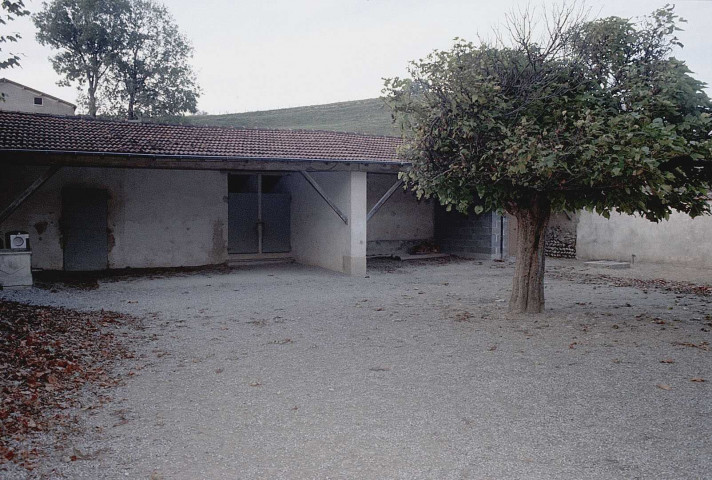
x=91, y=91
x=130, y=110
x=528, y=284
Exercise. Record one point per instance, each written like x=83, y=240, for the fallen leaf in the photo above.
x=667, y=360
x=662, y=386
x=697, y=380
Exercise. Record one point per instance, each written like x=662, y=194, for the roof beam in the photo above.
x=193, y=163
x=384, y=199
x=323, y=194
x=15, y=204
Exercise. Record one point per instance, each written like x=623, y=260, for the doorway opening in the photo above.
x=84, y=229
x=259, y=214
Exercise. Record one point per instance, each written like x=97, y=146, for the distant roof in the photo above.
x=5, y=80
x=29, y=132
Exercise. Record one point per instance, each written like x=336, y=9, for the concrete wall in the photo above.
x=18, y=99
x=156, y=218
x=476, y=236
x=319, y=236
x=401, y=222
x=680, y=240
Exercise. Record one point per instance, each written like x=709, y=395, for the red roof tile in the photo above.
x=29, y=131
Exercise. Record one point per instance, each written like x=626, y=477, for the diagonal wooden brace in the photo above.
x=323, y=194
x=384, y=199
x=15, y=204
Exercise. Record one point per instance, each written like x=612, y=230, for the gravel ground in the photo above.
x=414, y=372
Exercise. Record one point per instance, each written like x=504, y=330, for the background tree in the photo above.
x=11, y=10
x=89, y=35
x=152, y=76
x=594, y=115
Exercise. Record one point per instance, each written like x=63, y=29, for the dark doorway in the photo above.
x=258, y=214
x=84, y=229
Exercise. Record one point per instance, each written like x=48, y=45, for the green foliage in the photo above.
x=128, y=54
x=152, y=77
x=89, y=34
x=12, y=10
x=602, y=117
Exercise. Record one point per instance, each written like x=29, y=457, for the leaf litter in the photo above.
x=48, y=356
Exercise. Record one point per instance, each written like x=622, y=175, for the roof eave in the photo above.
x=192, y=162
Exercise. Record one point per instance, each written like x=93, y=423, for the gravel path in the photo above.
x=414, y=372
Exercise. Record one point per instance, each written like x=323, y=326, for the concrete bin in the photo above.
x=15, y=268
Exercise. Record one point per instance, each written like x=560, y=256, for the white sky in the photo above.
x=260, y=55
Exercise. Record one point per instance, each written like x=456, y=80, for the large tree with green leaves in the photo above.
x=11, y=10
x=89, y=34
x=596, y=115
x=152, y=77
x=128, y=56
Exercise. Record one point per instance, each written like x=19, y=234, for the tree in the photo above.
x=11, y=11
x=152, y=76
x=596, y=115
x=89, y=34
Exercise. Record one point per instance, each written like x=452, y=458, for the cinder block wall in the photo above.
x=476, y=236
x=156, y=218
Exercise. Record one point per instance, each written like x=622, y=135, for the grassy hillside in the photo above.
x=368, y=116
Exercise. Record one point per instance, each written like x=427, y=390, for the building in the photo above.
x=19, y=98
x=97, y=194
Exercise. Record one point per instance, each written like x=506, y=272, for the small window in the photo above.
x=38, y=100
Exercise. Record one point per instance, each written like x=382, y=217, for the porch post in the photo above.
x=355, y=255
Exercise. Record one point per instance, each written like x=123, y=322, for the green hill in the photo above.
x=368, y=116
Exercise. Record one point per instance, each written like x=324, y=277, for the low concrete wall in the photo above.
x=319, y=236
x=401, y=222
x=156, y=218
x=680, y=240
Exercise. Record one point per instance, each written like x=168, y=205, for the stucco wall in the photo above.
x=680, y=240
x=18, y=99
x=401, y=221
x=319, y=236
x=156, y=218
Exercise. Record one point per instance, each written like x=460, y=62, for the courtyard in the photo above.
x=414, y=371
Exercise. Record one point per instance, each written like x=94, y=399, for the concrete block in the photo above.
x=15, y=268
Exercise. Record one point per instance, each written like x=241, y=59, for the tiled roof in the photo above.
x=38, y=132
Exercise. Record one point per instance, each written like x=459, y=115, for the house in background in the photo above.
x=97, y=194
x=20, y=98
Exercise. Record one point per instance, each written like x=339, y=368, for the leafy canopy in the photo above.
x=11, y=10
x=600, y=116
x=128, y=55
x=152, y=77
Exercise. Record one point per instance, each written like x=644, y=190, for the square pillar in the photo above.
x=355, y=254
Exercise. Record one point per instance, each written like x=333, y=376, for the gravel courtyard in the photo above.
x=414, y=372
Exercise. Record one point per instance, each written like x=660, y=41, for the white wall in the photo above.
x=18, y=99
x=680, y=240
x=156, y=218
x=319, y=236
x=402, y=218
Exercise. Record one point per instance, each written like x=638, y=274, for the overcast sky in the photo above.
x=260, y=55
